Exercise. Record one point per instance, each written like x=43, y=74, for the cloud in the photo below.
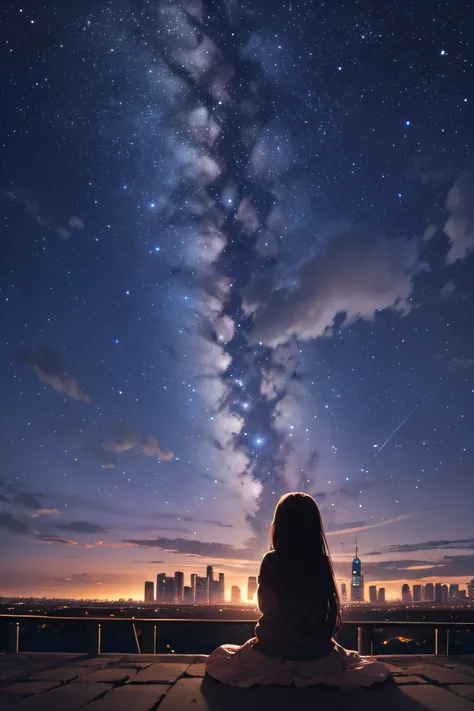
x=81, y=527
x=196, y=548
x=125, y=439
x=356, y=276
x=460, y=224
x=460, y=363
x=25, y=500
x=57, y=539
x=51, y=371
x=192, y=519
x=33, y=210
x=444, y=568
x=10, y=523
x=462, y=543
x=45, y=512
x=368, y=526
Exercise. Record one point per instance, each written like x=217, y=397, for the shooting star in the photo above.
x=396, y=430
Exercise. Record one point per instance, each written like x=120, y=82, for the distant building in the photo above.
x=470, y=590
x=343, y=592
x=149, y=592
x=188, y=597
x=170, y=589
x=406, y=593
x=235, y=595
x=179, y=586
x=210, y=584
x=251, y=588
x=221, y=588
x=462, y=595
x=429, y=592
x=160, y=587
x=453, y=593
x=202, y=590
x=381, y=595
x=193, y=585
x=357, y=580
x=417, y=593
x=441, y=592
x=372, y=594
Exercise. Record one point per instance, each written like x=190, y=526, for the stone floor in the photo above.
x=66, y=682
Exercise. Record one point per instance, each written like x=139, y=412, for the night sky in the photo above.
x=236, y=261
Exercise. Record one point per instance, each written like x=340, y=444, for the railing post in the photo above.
x=363, y=641
x=442, y=641
x=93, y=639
x=13, y=637
x=148, y=639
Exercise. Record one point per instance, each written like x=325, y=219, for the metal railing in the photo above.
x=148, y=628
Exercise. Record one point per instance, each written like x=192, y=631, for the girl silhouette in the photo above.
x=300, y=613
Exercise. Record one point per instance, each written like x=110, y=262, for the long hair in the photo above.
x=305, y=583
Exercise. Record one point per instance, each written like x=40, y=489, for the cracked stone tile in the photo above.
x=139, y=697
x=160, y=674
x=110, y=674
x=69, y=697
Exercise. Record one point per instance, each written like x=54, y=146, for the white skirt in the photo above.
x=245, y=666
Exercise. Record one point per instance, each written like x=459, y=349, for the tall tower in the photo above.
x=357, y=581
x=179, y=585
x=149, y=592
x=221, y=587
x=210, y=583
x=343, y=592
x=251, y=588
x=160, y=587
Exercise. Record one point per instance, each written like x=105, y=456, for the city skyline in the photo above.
x=236, y=262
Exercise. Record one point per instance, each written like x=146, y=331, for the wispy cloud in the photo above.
x=125, y=439
x=368, y=526
x=10, y=523
x=442, y=544
x=49, y=370
x=44, y=512
x=196, y=548
x=192, y=519
x=82, y=527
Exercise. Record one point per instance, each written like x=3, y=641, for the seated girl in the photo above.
x=300, y=613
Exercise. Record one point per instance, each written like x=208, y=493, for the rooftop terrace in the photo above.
x=66, y=682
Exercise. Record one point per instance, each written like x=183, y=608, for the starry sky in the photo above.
x=236, y=261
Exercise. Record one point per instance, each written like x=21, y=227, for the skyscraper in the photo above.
x=429, y=592
x=357, y=582
x=251, y=588
x=193, y=585
x=221, y=588
x=188, y=595
x=438, y=592
x=372, y=594
x=160, y=587
x=235, y=595
x=343, y=592
x=470, y=590
x=454, y=591
x=417, y=596
x=179, y=586
x=406, y=593
x=149, y=592
x=210, y=583
x=202, y=589
x=381, y=595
